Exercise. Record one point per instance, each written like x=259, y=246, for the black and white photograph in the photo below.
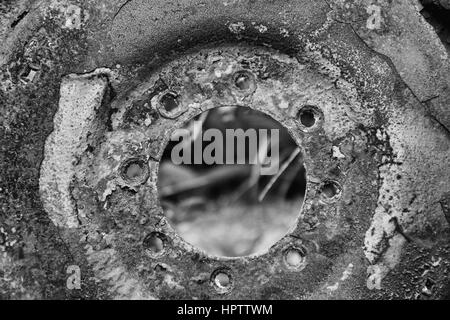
x=225, y=156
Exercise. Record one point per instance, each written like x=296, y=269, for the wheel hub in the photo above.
x=376, y=158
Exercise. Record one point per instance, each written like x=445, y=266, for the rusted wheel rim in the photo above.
x=382, y=152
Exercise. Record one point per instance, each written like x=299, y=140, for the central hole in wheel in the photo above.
x=232, y=181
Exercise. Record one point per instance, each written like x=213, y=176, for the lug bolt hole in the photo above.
x=222, y=280
x=244, y=81
x=135, y=171
x=295, y=257
x=309, y=116
x=169, y=101
x=154, y=243
x=330, y=190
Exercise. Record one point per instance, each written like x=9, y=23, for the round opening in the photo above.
x=309, y=116
x=134, y=171
x=222, y=280
x=243, y=81
x=330, y=189
x=154, y=243
x=169, y=101
x=294, y=257
x=232, y=182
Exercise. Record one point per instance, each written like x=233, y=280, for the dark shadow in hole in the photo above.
x=169, y=101
x=439, y=17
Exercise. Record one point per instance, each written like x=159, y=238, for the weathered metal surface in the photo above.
x=80, y=91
